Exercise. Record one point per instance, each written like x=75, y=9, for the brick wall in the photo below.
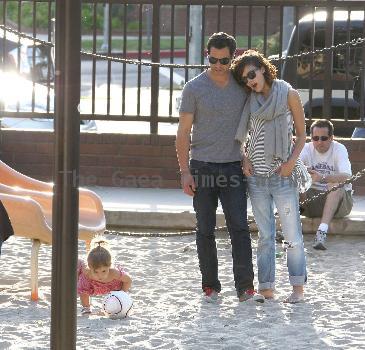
x=119, y=160
x=105, y=159
x=356, y=149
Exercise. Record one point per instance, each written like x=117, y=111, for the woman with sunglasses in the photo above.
x=271, y=114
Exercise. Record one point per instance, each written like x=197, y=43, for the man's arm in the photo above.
x=343, y=166
x=182, y=150
x=336, y=178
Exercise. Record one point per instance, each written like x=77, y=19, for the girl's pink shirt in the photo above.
x=86, y=285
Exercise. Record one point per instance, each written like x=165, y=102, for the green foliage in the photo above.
x=134, y=26
x=42, y=17
x=117, y=17
x=87, y=17
x=273, y=44
x=116, y=23
x=117, y=12
x=26, y=14
x=257, y=42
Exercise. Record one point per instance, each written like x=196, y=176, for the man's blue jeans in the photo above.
x=264, y=193
x=223, y=181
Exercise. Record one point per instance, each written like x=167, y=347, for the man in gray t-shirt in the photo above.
x=210, y=112
x=217, y=112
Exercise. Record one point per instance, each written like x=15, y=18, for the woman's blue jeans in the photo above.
x=265, y=192
x=223, y=181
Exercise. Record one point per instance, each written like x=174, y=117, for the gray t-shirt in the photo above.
x=217, y=112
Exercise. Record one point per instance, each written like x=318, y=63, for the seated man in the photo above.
x=328, y=163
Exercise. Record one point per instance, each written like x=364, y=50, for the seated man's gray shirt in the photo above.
x=217, y=112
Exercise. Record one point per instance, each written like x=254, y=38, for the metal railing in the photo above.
x=175, y=32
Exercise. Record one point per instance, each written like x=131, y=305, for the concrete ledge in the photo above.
x=345, y=226
x=163, y=220
x=170, y=209
x=155, y=220
x=186, y=221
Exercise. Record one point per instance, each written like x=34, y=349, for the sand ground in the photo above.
x=170, y=313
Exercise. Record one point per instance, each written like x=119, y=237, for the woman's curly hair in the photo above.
x=256, y=59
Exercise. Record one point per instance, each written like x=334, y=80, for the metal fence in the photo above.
x=175, y=33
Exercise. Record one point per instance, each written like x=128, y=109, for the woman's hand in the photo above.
x=285, y=169
x=247, y=167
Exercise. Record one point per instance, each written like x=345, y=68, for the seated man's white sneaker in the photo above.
x=320, y=240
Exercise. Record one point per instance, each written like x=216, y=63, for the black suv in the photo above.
x=346, y=63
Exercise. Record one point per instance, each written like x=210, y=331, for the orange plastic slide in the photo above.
x=28, y=203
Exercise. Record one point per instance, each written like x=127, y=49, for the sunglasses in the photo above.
x=224, y=60
x=250, y=75
x=322, y=138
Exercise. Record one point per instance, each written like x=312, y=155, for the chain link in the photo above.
x=24, y=36
x=354, y=42
x=164, y=234
x=352, y=179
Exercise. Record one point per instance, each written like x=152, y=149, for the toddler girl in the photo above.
x=99, y=277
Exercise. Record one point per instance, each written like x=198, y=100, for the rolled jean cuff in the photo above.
x=297, y=280
x=266, y=285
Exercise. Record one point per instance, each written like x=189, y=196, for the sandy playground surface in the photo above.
x=170, y=313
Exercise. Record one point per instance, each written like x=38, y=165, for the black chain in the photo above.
x=163, y=234
x=142, y=62
x=353, y=178
x=24, y=36
x=354, y=42
x=149, y=234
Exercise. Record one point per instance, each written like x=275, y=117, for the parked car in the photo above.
x=26, y=83
x=346, y=63
x=29, y=59
x=18, y=94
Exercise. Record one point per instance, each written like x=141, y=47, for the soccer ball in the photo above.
x=117, y=304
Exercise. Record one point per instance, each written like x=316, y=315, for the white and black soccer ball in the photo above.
x=117, y=304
